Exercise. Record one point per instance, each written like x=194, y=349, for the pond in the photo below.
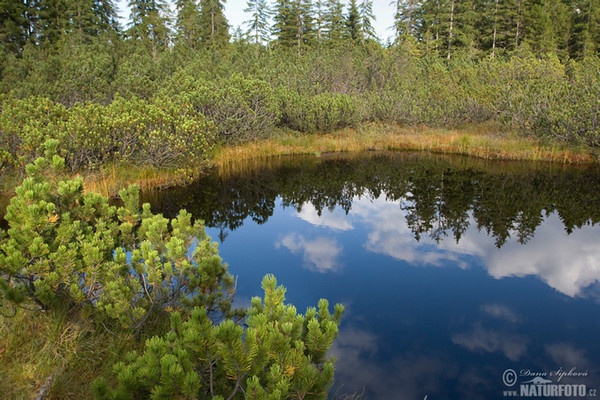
x=461, y=278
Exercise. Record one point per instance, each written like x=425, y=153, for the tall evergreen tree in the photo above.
x=149, y=23
x=447, y=26
x=106, y=14
x=584, y=38
x=498, y=25
x=334, y=23
x=319, y=19
x=542, y=25
x=306, y=14
x=285, y=27
x=367, y=16
x=14, y=25
x=258, y=24
x=214, y=28
x=405, y=17
x=81, y=19
x=52, y=20
x=465, y=21
x=294, y=23
x=431, y=25
x=187, y=23
x=353, y=22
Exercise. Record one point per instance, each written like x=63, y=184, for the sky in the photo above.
x=234, y=11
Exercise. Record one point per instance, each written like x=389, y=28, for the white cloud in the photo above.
x=567, y=356
x=319, y=254
x=408, y=376
x=485, y=340
x=500, y=311
x=327, y=218
x=568, y=263
x=390, y=235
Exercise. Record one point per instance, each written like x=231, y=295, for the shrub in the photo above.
x=279, y=355
x=167, y=132
x=241, y=108
x=25, y=124
x=130, y=270
x=319, y=113
x=120, y=264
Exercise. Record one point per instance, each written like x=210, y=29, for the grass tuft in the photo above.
x=482, y=141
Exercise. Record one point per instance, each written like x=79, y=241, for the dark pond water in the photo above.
x=462, y=279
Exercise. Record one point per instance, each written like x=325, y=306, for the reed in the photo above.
x=482, y=141
x=112, y=178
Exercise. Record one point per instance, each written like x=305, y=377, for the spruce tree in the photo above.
x=584, y=37
x=14, y=25
x=432, y=25
x=353, y=22
x=366, y=19
x=542, y=25
x=149, y=24
x=319, y=19
x=286, y=28
x=213, y=26
x=82, y=20
x=258, y=24
x=465, y=21
x=498, y=26
x=405, y=17
x=106, y=15
x=334, y=23
x=306, y=13
x=187, y=22
x=51, y=20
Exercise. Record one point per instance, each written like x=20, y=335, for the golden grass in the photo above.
x=482, y=141
x=55, y=346
x=112, y=178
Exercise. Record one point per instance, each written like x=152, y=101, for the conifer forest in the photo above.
x=142, y=305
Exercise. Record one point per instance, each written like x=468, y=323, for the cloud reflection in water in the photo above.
x=567, y=263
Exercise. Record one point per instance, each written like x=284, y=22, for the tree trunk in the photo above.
x=450, y=28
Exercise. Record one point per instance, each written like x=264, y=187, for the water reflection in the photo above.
x=320, y=254
x=442, y=195
x=452, y=270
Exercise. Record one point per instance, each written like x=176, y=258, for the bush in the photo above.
x=25, y=124
x=129, y=270
x=241, y=108
x=163, y=133
x=319, y=113
x=120, y=264
x=279, y=355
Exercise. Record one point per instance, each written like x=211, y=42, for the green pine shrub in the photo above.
x=280, y=354
x=125, y=266
x=25, y=124
x=321, y=113
x=127, y=271
x=166, y=132
x=241, y=108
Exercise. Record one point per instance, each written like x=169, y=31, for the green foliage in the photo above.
x=129, y=271
x=123, y=266
x=280, y=354
x=212, y=24
x=26, y=124
x=319, y=113
x=241, y=108
x=163, y=133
